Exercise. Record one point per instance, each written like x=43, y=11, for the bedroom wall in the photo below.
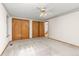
x=30, y=30
x=65, y=28
x=10, y=28
x=3, y=29
x=46, y=29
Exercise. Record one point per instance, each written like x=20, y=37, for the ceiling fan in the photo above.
x=43, y=12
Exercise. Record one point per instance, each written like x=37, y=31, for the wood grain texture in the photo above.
x=20, y=29
x=34, y=29
x=37, y=29
x=16, y=29
x=25, y=29
x=41, y=29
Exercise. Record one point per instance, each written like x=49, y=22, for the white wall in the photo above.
x=65, y=28
x=46, y=29
x=10, y=28
x=3, y=29
x=30, y=28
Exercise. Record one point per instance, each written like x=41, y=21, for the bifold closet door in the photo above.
x=24, y=29
x=41, y=29
x=37, y=29
x=34, y=29
x=16, y=29
x=20, y=29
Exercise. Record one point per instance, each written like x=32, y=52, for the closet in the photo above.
x=37, y=29
x=20, y=29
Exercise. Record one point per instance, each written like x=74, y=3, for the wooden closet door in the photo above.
x=16, y=29
x=24, y=29
x=41, y=29
x=34, y=29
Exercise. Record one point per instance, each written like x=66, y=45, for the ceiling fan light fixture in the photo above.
x=43, y=14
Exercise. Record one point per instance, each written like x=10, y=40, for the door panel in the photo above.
x=25, y=29
x=34, y=29
x=41, y=29
x=37, y=29
x=20, y=29
x=16, y=29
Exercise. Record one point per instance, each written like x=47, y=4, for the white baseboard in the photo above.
x=71, y=43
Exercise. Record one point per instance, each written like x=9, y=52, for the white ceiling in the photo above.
x=30, y=10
